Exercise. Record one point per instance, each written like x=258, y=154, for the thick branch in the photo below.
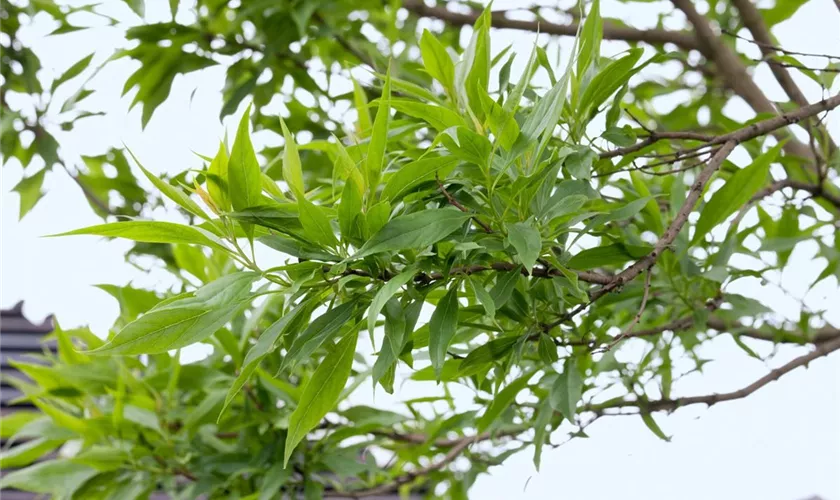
x=611, y=31
x=819, y=351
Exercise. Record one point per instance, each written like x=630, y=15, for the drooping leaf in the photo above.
x=502, y=401
x=151, y=232
x=321, y=393
x=567, y=390
x=442, y=327
x=527, y=241
x=185, y=321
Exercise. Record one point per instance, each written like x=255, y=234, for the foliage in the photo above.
x=476, y=231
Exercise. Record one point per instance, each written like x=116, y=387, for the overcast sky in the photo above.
x=782, y=443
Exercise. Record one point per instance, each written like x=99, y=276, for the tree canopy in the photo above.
x=445, y=221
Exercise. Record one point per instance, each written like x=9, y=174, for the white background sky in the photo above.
x=782, y=443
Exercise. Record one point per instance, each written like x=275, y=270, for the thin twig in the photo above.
x=627, y=331
x=819, y=351
x=455, y=203
x=777, y=48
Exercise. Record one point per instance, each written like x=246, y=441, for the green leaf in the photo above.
x=442, y=327
x=319, y=331
x=361, y=103
x=273, y=480
x=527, y=242
x=184, y=321
x=57, y=477
x=217, y=179
x=540, y=433
x=244, y=175
x=609, y=255
x=265, y=345
x=384, y=294
x=781, y=11
x=438, y=117
x=173, y=193
x=567, y=390
x=502, y=401
x=415, y=173
x=29, y=189
x=378, y=138
x=321, y=393
x=547, y=350
x=24, y=454
x=151, y=232
x=437, y=61
x=735, y=193
x=651, y=424
x=315, y=224
x=413, y=231
x=609, y=80
x=590, y=39
x=487, y=353
x=483, y=297
x=292, y=171
x=72, y=72
x=579, y=163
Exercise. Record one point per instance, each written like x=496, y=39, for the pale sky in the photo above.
x=781, y=443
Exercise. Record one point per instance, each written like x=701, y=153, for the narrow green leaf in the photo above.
x=217, y=179
x=151, y=232
x=540, y=433
x=59, y=477
x=415, y=173
x=265, y=345
x=483, y=297
x=442, y=327
x=378, y=138
x=72, y=71
x=292, y=170
x=502, y=401
x=318, y=332
x=321, y=393
x=590, y=39
x=487, y=353
x=29, y=189
x=361, y=103
x=527, y=242
x=385, y=293
x=651, y=424
x=315, y=224
x=413, y=231
x=547, y=350
x=184, y=321
x=173, y=193
x=735, y=193
x=438, y=117
x=567, y=390
x=437, y=61
x=244, y=175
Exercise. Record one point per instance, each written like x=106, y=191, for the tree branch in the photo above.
x=755, y=24
x=734, y=72
x=450, y=456
x=819, y=351
x=611, y=31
